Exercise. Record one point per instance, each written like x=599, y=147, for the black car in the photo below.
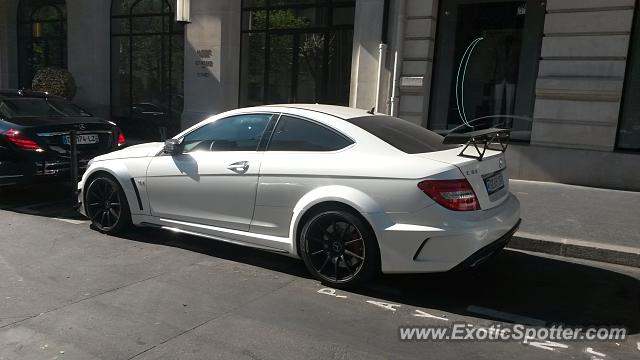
x=35, y=141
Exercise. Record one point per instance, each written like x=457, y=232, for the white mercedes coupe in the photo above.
x=350, y=192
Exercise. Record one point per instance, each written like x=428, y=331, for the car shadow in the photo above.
x=529, y=286
x=52, y=200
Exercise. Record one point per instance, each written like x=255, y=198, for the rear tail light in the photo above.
x=121, y=139
x=20, y=140
x=455, y=195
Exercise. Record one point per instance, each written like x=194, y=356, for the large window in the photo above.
x=629, y=128
x=42, y=37
x=486, y=65
x=293, y=134
x=296, y=51
x=147, y=57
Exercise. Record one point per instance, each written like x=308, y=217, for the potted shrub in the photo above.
x=55, y=81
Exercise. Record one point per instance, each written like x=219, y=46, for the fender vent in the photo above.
x=135, y=188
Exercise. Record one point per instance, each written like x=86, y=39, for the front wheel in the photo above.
x=107, y=206
x=339, y=248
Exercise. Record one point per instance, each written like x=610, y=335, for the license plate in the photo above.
x=494, y=182
x=83, y=139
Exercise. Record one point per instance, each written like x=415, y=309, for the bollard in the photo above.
x=73, y=165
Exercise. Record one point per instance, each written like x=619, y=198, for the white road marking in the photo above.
x=422, y=314
x=518, y=319
x=547, y=345
x=590, y=351
x=638, y=345
x=331, y=292
x=71, y=221
x=384, y=305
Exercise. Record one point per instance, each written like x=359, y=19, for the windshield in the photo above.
x=38, y=107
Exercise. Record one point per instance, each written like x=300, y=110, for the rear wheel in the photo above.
x=339, y=248
x=107, y=205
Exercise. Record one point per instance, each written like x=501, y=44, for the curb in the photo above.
x=613, y=254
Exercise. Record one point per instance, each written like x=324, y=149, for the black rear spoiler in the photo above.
x=480, y=140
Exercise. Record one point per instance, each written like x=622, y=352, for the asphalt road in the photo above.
x=68, y=292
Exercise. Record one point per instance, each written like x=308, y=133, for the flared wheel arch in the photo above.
x=99, y=173
x=324, y=206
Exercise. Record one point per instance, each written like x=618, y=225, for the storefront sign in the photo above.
x=204, y=61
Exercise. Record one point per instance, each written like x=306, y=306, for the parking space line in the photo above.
x=590, y=351
x=518, y=319
x=420, y=313
x=71, y=221
x=547, y=345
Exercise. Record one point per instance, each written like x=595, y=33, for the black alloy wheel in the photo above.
x=107, y=205
x=338, y=248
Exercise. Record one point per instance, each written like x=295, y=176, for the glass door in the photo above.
x=147, y=57
x=486, y=65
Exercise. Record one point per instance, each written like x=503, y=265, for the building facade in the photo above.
x=564, y=75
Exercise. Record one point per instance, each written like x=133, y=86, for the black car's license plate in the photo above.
x=83, y=139
x=494, y=182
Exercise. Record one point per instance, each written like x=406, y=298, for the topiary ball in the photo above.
x=55, y=81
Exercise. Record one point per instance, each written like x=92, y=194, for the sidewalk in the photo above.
x=576, y=221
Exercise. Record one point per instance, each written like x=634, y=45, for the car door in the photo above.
x=301, y=155
x=213, y=181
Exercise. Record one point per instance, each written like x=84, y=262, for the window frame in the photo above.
x=529, y=63
x=167, y=33
x=275, y=116
x=349, y=139
x=626, y=89
x=25, y=16
x=325, y=29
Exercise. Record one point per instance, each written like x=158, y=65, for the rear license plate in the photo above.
x=494, y=182
x=83, y=139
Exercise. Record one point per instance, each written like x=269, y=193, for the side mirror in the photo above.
x=172, y=147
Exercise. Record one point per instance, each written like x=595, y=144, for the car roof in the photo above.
x=341, y=112
x=18, y=93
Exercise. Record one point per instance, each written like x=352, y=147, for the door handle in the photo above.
x=240, y=167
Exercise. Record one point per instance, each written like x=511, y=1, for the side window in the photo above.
x=293, y=134
x=235, y=133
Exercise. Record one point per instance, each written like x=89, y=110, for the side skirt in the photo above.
x=215, y=237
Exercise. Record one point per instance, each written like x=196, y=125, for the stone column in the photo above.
x=367, y=31
x=88, y=55
x=212, y=59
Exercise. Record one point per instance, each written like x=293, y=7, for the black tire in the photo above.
x=106, y=205
x=339, y=248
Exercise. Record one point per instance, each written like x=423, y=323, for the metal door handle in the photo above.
x=239, y=167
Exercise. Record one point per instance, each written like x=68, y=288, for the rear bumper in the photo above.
x=34, y=171
x=436, y=240
x=488, y=251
